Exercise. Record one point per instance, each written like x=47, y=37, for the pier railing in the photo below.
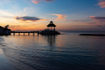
x=25, y=32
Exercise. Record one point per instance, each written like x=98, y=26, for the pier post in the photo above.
x=33, y=34
x=28, y=34
x=14, y=34
x=38, y=33
x=24, y=34
x=19, y=34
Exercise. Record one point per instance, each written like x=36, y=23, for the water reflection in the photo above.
x=51, y=40
x=64, y=52
x=31, y=56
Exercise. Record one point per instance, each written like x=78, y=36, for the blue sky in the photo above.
x=67, y=14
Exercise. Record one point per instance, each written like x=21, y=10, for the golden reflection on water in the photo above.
x=27, y=40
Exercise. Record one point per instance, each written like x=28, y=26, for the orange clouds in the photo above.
x=92, y=16
x=35, y=1
x=102, y=4
x=38, y=1
x=60, y=16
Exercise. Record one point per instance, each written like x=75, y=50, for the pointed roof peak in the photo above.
x=51, y=24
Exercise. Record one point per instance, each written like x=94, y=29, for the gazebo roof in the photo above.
x=51, y=24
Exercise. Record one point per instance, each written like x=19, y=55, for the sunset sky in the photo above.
x=68, y=15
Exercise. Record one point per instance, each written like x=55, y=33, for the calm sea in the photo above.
x=68, y=51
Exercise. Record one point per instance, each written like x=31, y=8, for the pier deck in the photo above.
x=24, y=32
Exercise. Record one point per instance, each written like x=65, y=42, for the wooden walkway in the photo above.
x=24, y=32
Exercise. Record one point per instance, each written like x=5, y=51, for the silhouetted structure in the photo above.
x=51, y=30
x=92, y=34
x=5, y=30
x=51, y=26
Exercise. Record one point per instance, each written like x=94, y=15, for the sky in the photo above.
x=68, y=15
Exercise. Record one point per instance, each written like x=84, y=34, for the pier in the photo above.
x=51, y=30
x=24, y=33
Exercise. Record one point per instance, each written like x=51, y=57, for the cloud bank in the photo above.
x=98, y=19
x=28, y=18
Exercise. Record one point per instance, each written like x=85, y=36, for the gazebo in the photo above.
x=51, y=26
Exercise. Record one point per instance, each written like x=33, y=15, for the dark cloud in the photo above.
x=98, y=18
x=28, y=18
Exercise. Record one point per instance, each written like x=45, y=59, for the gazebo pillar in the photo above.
x=54, y=28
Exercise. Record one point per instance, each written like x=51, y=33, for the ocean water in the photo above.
x=68, y=51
